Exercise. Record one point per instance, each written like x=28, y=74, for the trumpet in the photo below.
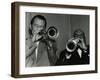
x=51, y=33
x=72, y=44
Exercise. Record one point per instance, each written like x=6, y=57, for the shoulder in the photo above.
x=63, y=52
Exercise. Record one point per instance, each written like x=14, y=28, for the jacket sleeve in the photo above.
x=85, y=56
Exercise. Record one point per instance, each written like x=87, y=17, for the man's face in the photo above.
x=80, y=40
x=38, y=25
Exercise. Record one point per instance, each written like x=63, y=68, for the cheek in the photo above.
x=35, y=29
x=39, y=29
x=42, y=28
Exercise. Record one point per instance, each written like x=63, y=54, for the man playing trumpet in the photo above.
x=76, y=52
x=40, y=51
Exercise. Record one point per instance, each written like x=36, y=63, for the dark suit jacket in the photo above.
x=74, y=59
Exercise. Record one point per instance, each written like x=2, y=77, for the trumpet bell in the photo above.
x=72, y=45
x=52, y=32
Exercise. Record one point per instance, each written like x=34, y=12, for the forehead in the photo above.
x=39, y=21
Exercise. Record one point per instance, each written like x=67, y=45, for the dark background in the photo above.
x=65, y=23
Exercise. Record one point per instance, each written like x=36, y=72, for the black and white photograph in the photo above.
x=51, y=39
x=56, y=39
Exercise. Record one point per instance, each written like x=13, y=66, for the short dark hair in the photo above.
x=32, y=21
x=40, y=17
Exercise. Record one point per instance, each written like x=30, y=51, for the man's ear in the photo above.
x=30, y=30
x=30, y=27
